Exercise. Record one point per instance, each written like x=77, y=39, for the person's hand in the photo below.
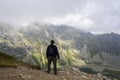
x=58, y=58
x=47, y=57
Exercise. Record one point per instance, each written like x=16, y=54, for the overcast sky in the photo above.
x=89, y=15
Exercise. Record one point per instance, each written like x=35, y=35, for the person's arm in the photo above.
x=57, y=53
x=47, y=52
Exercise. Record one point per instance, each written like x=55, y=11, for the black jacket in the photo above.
x=54, y=53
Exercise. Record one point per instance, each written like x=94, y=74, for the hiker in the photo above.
x=52, y=56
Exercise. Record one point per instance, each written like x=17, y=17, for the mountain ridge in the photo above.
x=28, y=42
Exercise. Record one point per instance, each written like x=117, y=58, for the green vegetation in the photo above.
x=9, y=61
x=69, y=56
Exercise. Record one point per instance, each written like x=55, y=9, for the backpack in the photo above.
x=51, y=50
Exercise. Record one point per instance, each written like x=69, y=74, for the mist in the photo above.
x=88, y=15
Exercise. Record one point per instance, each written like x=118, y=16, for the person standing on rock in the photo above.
x=52, y=55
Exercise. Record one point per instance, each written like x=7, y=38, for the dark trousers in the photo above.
x=54, y=60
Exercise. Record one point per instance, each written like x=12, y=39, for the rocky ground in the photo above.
x=23, y=73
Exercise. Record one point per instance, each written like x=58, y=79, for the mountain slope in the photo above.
x=6, y=60
x=75, y=46
x=105, y=49
x=10, y=61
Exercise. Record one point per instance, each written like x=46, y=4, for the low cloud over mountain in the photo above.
x=76, y=47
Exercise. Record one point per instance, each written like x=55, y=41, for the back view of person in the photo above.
x=52, y=56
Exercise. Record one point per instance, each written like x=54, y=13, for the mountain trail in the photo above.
x=23, y=73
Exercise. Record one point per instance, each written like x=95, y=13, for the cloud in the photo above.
x=88, y=15
x=76, y=20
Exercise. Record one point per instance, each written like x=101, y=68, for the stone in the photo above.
x=75, y=69
x=83, y=76
x=64, y=79
x=24, y=77
x=99, y=75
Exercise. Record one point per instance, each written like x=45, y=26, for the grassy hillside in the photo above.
x=9, y=61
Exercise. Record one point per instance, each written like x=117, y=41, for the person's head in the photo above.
x=52, y=42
